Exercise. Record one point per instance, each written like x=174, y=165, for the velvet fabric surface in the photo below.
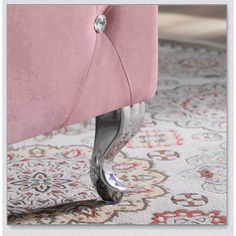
x=60, y=71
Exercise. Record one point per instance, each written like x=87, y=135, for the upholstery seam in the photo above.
x=123, y=67
x=107, y=10
x=80, y=89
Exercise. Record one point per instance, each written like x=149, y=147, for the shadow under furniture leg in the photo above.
x=113, y=131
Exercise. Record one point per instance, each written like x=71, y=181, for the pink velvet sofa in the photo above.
x=68, y=63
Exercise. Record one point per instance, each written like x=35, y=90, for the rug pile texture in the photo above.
x=175, y=167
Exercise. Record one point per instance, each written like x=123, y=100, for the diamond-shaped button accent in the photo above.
x=100, y=23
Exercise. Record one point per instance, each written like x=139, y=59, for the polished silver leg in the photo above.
x=113, y=131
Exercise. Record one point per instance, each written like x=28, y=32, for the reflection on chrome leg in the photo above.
x=113, y=131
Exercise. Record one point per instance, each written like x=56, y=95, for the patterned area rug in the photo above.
x=175, y=167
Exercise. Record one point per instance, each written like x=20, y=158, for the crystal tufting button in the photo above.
x=100, y=23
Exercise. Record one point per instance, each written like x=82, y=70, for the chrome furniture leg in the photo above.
x=113, y=131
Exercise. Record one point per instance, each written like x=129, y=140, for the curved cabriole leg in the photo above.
x=113, y=131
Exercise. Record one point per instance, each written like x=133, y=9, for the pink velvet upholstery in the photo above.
x=60, y=71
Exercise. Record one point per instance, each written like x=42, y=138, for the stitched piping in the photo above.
x=122, y=65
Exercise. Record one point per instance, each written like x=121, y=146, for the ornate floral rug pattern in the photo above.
x=175, y=167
